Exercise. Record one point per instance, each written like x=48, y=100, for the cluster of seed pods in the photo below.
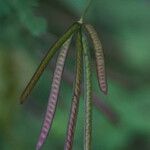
x=83, y=67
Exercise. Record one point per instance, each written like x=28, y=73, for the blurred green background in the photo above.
x=29, y=27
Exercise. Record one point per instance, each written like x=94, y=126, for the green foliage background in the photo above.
x=29, y=27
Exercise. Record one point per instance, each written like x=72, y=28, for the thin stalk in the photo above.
x=85, y=11
x=87, y=96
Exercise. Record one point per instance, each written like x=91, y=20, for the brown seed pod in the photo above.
x=76, y=96
x=99, y=55
x=51, y=107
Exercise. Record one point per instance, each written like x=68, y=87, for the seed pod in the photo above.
x=87, y=96
x=46, y=60
x=76, y=96
x=52, y=103
x=100, y=64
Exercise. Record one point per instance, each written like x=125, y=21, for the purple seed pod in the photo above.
x=52, y=103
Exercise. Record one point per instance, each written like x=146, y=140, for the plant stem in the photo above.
x=85, y=11
x=87, y=95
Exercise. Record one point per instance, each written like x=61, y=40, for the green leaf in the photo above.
x=46, y=60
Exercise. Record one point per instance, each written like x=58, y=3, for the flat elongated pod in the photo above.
x=52, y=103
x=87, y=96
x=76, y=96
x=100, y=64
x=46, y=60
